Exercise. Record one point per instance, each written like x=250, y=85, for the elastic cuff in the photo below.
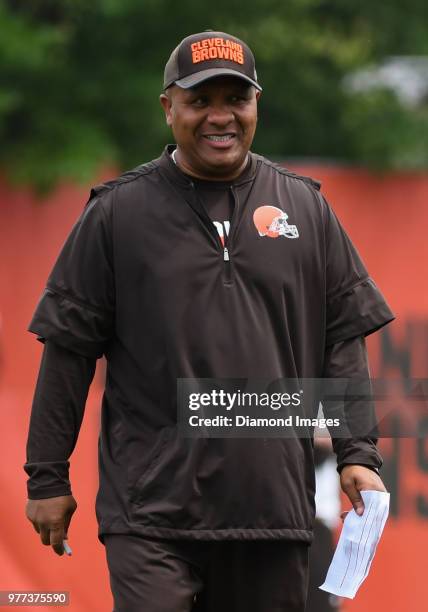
x=47, y=479
x=370, y=467
x=35, y=492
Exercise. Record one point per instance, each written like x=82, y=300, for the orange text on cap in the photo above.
x=217, y=48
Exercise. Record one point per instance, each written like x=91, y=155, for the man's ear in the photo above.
x=258, y=94
x=166, y=103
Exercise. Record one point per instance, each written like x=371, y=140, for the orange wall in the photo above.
x=387, y=218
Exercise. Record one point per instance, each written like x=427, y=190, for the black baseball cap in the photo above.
x=206, y=55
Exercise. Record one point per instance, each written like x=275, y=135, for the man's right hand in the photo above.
x=51, y=518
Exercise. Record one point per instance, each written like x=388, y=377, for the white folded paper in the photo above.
x=357, y=545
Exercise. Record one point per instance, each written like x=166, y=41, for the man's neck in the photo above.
x=190, y=172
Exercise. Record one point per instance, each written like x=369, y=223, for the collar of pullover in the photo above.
x=186, y=181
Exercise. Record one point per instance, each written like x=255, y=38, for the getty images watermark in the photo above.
x=341, y=408
x=232, y=401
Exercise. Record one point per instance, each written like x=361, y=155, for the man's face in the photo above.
x=213, y=125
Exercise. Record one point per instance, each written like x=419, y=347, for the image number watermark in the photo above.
x=34, y=598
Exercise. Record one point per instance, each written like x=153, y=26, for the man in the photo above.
x=207, y=262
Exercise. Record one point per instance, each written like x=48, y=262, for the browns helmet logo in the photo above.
x=273, y=222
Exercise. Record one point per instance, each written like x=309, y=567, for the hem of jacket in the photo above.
x=299, y=535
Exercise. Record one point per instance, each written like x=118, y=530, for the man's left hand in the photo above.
x=356, y=478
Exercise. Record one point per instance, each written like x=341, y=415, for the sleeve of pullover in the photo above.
x=56, y=416
x=348, y=360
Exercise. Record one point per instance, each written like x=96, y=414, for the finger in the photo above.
x=56, y=538
x=45, y=535
x=344, y=515
x=354, y=496
x=357, y=502
x=67, y=520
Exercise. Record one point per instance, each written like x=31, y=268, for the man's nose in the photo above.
x=220, y=115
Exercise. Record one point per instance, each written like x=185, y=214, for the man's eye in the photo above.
x=238, y=98
x=201, y=101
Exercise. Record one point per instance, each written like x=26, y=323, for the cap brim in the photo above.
x=200, y=77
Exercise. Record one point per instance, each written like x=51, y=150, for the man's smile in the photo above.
x=220, y=141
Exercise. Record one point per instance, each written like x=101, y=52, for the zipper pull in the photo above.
x=226, y=254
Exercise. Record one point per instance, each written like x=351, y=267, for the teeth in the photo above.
x=220, y=138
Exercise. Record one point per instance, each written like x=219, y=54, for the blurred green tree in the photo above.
x=81, y=79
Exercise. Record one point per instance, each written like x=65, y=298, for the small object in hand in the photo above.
x=67, y=549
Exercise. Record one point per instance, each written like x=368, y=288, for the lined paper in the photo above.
x=357, y=545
